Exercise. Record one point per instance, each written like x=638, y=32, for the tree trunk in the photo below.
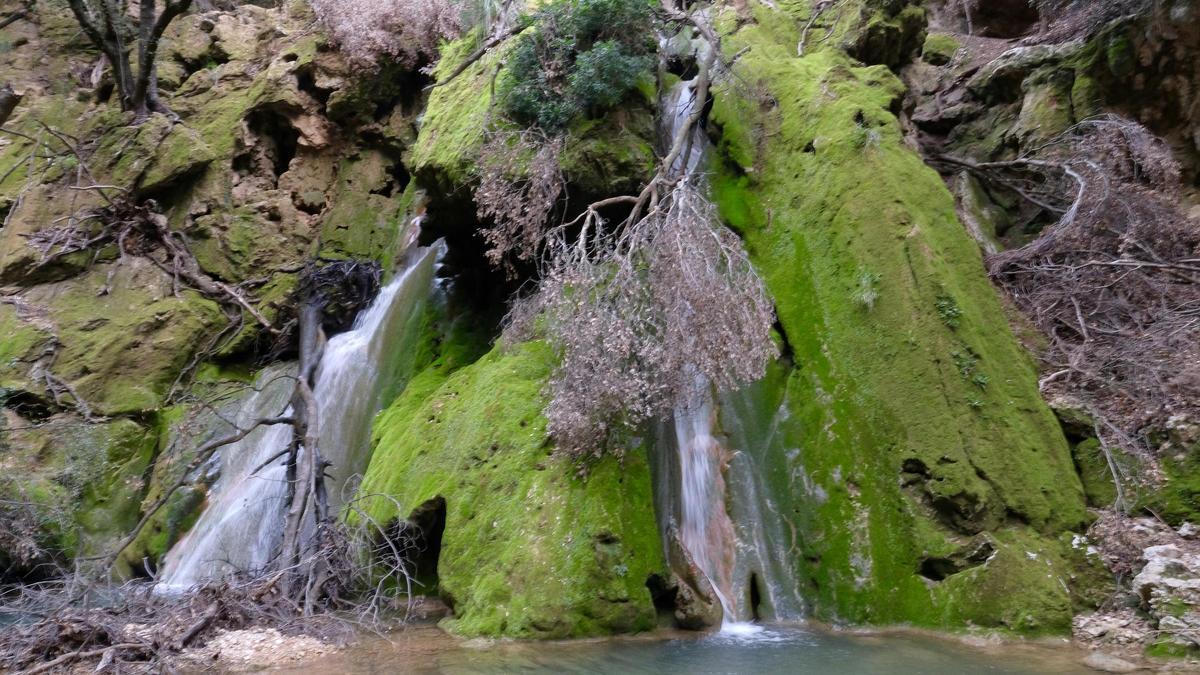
x=105, y=23
x=307, y=507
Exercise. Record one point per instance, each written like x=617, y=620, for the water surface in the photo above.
x=777, y=649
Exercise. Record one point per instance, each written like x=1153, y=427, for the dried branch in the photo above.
x=1113, y=283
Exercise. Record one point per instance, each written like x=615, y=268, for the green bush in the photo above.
x=583, y=56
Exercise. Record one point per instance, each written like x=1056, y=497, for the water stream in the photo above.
x=359, y=371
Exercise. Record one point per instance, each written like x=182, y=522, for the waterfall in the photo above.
x=705, y=529
x=678, y=104
x=241, y=528
x=709, y=484
x=710, y=487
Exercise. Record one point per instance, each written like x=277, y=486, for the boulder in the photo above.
x=1169, y=587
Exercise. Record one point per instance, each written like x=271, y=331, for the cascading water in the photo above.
x=240, y=530
x=711, y=489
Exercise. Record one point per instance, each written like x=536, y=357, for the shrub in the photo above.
x=370, y=31
x=582, y=56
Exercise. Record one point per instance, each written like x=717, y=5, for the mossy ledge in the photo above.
x=531, y=548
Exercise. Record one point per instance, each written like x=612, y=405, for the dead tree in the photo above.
x=308, y=556
x=110, y=26
x=15, y=15
x=1113, y=282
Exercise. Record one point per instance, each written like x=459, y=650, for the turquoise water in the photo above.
x=777, y=649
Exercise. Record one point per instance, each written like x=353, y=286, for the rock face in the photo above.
x=903, y=436
x=256, y=178
x=1169, y=587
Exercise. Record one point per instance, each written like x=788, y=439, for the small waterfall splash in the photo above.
x=241, y=528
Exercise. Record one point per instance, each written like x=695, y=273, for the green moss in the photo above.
x=611, y=155
x=19, y=348
x=940, y=48
x=1168, y=648
x=1119, y=55
x=898, y=454
x=602, y=156
x=1020, y=588
x=455, y=117
x=1046, y=110
x=531, y=548
x=111, y=504
x=122, y=350
x=84, y=480
x=363, y=221
x=1094, y=472
x=1178, y=499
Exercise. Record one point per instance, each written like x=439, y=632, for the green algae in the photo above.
x=531, y=548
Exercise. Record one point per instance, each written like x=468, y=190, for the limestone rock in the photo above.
x=1169, y=586
x=1000, y=79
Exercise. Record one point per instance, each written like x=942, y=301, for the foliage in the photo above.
x=948, y=310
x=646, y=321
x=582, y=56
x=371, y=31
x=517, y=196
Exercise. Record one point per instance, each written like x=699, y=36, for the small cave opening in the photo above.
x=756, y=597
x=306, y=83
x=665, y=597
x=683, y=66
x=937, y=569
x=398, y=179
x=478, y=286
x=415, y=543
x=27, y=405
x=405, y=90
x=276, y=143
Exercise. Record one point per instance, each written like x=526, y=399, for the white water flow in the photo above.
x=241, y=527
x=705, y=529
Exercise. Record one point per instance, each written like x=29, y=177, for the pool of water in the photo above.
x=776, y=649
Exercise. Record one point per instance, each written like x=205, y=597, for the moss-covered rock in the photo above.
x=602, y=156
x=82, y=482
x=940, y=48
x=124, y=336
x=916, y=423
x=531, y=548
